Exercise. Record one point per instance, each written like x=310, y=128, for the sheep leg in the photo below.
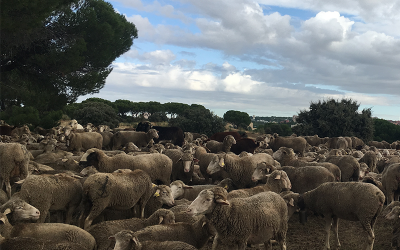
x=94, y=212
x=335, y=230
x=68, y=216
x=328, y=224
x=371, y=236
x=8, y=187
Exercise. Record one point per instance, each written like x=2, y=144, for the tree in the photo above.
x=123, y=107
x=174, y=109
x=281, y=129
x=238, y=118
x=97, y=113
x=199, y=120
x=385, y=130
x=53, y=51
x=331, y=118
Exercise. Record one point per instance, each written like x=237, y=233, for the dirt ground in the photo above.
x=311, y=235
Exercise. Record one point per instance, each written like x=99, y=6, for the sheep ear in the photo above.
x=187, y=187
x=160, y=219
x=267, y=175
x=135, y=240
x=222, y=201
x=278, y=177
x=195, y=160
x=180, y=159
x=111, y=238
x=291, y=202
x=20, y=182
x=204, y=223
x=157, y=193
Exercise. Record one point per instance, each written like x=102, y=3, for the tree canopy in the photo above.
x=238, y=118
x=385, y=130
x=331, y=118
x=53, y=51
x=199, y=120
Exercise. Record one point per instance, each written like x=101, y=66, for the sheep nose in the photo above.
x=37, y=212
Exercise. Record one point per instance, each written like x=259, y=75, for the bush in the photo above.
x=19, y=116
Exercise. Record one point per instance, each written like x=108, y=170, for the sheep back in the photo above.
x=85, y=141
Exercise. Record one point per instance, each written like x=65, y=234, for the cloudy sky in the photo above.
x=263, y=57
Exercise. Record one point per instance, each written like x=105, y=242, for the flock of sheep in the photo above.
x=75, y=187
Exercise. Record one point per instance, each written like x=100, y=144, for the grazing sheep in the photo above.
x=370, y=158
x=183, y=164
x=158, y=166
x=14, y=164
x=125, y=240
x=225, y=146
x=140, y=139
x=51, y=192
x=298, y=144
x=240, y=170
x=119, y=190
x=349, y=166
x=196, y=234
x=54, y=232
x=162, y=195
x=107, y=137
x=306, y=178
x=84, y=141
x=105, y=229
x=354, y=201
x=393, y=214
x=391, y=181
x=236, y=225
x=18, y=132
x=277, y=182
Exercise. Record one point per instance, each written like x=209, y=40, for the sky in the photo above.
x=263, y=57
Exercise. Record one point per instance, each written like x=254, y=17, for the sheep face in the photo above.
x=280, y=177
x=153, y=133
x=283, y=153
x=261, y=171
x=90, y=158
x=165, y=195
x=125, y=240
x=22, y=211
x=216, y=164
x=203, y=204
x=178, y=188
x=394, y=213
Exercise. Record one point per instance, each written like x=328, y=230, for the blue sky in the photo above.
x=263, y=57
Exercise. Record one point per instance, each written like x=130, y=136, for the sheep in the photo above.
x=349, y=167
x=140, y=139
x=182, y=191
x=393, y=214
x=14, y=163
x=84, y=141
x=107, y=136
x=220, y=136
x=18, y=132
x=277, y=181
x=183, y=164
x=51, y=192
x=158, y=166
x=239, y=169
x=196, y=234
x=391, y=181
x=54, y=232
x=236, y=225
x=225, y=146
x=120, y=190
x=370, y=159
x=103, y=230
x=204, y=160
x=28, y=243
x=306, y=178
x=162, y=195
x=3, y=197
x=354, y=201
x=261, y=172
x=297, y=143
x=20, y=211
x=125, y=240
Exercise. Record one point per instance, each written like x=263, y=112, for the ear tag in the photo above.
x=156, y=194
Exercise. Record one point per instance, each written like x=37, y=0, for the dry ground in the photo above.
x=311, y=235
